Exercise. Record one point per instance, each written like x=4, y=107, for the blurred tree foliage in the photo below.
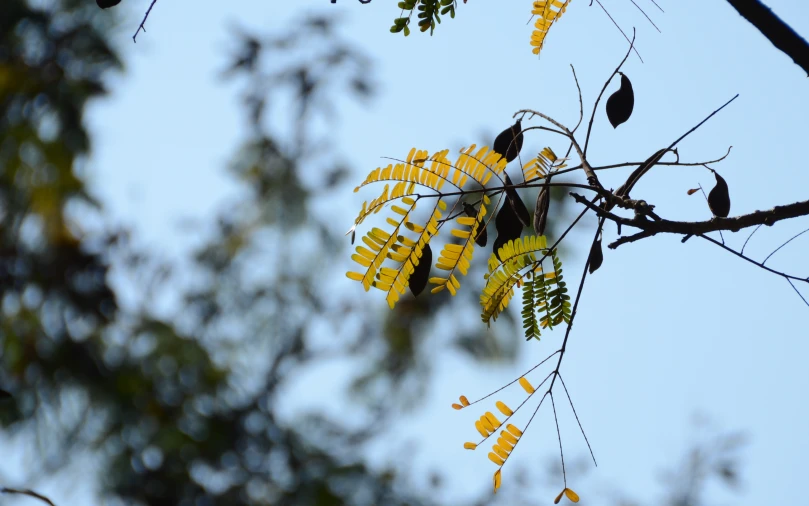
x=184, y=410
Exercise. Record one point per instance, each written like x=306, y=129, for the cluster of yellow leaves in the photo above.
x=488, y=424
x=539, y=167
x=547, y=11
x=506, y=271
x=420, y=169
x=459, y=256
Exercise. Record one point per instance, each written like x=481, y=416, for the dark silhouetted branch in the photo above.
x=29, y=493
x=779, y=33
x=142, y=25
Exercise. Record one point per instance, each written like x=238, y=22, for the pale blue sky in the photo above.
x=665, y=330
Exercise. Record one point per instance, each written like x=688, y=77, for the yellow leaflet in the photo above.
x=506, y=445
x=497, y=459
x=497, y=480
x=499, y=451
x=470, y=446
x=356, y=276
x=526, y=386
x=503, y=408
x=508, y=437
x=514, y=430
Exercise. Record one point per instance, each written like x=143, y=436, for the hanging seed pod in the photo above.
x=624, y=189
x=509, y=142
x=482, y=236
x=508, y=227
x=106, y=4
x=719, y=198
x=596, y=256
x=542, y=207
x=621, y=103
x=418, y=280
x=517, y=204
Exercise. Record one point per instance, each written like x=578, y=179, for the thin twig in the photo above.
x=581, y=104
x=647, y=17
x=781, y=246
x=562, y=380
x=797, y=291
x=559, y=437
x=619, y=28
x=573, y=313
x=591, y=176
x=759, y=264
x=748, y=238
x=631, y=164
x=143, y=23
x=661, y=8
x=28, y=492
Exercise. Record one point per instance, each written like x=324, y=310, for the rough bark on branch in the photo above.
x=734, y=224
x=779, y=33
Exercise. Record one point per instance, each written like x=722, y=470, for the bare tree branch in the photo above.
x=28, y=492
x=142, y=25
x=734, y=224
x=779, y=33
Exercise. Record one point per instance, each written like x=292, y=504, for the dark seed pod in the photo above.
x=421, y=273
x=517, y=204
x=596, y=256
x=542, y=207
x=106, y=4
x=719, y=198
x=508, y=227
x=509, y=142
x=620, y=103
x=482, y=236
x=624, y=189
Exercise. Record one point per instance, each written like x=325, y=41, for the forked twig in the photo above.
x=142, y=25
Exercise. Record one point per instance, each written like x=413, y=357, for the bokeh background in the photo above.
x=177, y=328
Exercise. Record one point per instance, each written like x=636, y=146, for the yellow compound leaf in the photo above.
x=496, y=459
x=496, y=480
x=526, y=385
x=573, y=496
x=470, y=446
x=503, y=408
